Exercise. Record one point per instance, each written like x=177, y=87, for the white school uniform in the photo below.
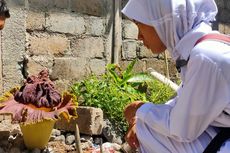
x=186, y=124
x=180, y=126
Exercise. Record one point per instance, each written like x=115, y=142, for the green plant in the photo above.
x=117, y=88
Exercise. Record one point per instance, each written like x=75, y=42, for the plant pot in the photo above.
x=37, y=135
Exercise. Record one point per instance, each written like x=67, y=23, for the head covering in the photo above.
x=174, y=19
x=4, y=11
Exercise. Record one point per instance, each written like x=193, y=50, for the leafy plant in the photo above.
x=117, y=88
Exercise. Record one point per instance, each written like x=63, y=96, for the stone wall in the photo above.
x=73, y=38
x=223, y=17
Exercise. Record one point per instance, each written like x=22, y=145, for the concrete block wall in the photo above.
x=72, y=38
x=223, y=17
x=132, y=49
x=69, y=40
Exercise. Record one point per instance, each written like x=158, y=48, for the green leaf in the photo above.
x=129, y=69
x=140, y=78
x=112, y=71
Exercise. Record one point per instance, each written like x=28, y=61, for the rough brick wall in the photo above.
x=72, y=38
x=223, y=17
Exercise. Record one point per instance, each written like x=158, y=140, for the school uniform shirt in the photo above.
x=184, y=124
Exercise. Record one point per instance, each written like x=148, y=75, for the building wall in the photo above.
x=223, y=17
x=73, y=38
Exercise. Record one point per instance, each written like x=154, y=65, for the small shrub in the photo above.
x=117, y=88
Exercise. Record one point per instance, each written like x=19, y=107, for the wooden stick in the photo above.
x=117, y=38
x=77, y=140
x=101, y=147
x=166, y=65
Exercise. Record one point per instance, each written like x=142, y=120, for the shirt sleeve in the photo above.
x=204, y=95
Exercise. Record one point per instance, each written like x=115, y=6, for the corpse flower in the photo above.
x=37, y=104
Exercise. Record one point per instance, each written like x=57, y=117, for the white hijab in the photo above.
x=179, y=23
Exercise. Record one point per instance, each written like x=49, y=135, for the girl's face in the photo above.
x=2, y=22
x=150, y=38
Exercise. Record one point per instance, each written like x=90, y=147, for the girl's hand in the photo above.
x=131, y=136
x=130, y=111
x=130, y=116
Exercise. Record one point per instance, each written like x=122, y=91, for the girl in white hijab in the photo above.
x=186, y=123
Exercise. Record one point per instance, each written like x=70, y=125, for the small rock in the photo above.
x=69, y=148
x=15, y=132
x=70, y=139
x=11, y=138
x=68, y=134
x=127, y=149
x=110, y=134
x=60, y=138
x=73, y=146
x=56, y=132
x=86, y=145
x=98, y=141
x=86, y=138
x=52, y=138
x=48, y=150
x=116, y=147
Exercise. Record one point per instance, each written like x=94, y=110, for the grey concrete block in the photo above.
x=140, y=66
x=65, y=23
x=95, y=26
x=90, y=121
x=224, y=15
x=35, y=20
x=69, y=68
x=91, y=7
x=156, y=64
x=227, y=29
x=129, y=49
x=144, y=52
x=13, y=48
x=88, y=47
x=37, y=63
x=62, y=85
x=220, y=3
x=45, y=44
x=130, y=30
x=224, y=28
x=41, y=4
x=15, y=3
x=123, y=3
x=97, y=66
x=63, y=4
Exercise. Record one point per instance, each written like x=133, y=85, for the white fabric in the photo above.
x=185, y=124
x=172, y=19
x=180, y=125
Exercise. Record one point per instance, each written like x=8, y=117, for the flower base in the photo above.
x=37, y=135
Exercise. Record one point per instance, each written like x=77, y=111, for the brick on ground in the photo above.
x=90, y=121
